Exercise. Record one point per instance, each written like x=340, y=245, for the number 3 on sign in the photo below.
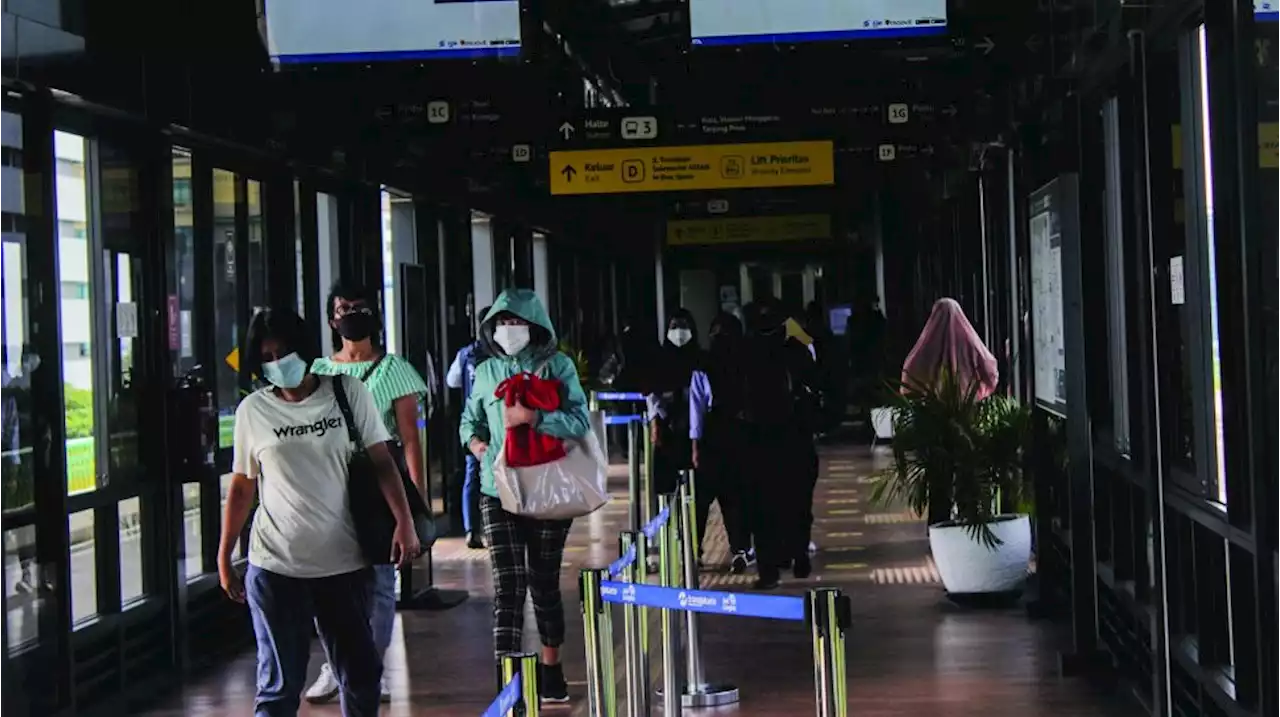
x=639, y=127
x=898, y=113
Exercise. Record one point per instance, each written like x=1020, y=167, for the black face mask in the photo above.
x=357, y=326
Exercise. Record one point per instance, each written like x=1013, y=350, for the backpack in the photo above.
x=775, y=381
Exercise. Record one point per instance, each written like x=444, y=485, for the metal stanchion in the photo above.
x=634, y=493
x=668, y=568
x=651, y=505
x=634, y=652
x=605, y=652
x=526, y=666
x=592, y=607
x=697, y=693
x=828, y=613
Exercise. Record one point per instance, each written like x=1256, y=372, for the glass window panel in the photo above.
x=299, y=265
x=182, y=302
x=131, y=585
x=257, y=249
x=76, y=319
x=225, y=296
x=123, y=406
x=1220, y=490
x=84, y=566
x=390, y=305
x=193, y=561
x=18, y=358
x=23, y=598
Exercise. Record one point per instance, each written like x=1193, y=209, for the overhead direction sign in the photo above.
x=744, y=230
x=698, y=167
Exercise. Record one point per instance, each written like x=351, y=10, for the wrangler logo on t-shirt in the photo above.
x=317, y=429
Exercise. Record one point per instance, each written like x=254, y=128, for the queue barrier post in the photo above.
x=604, y=633
x=697, y=692
x=669, y=570
x=634, y=515
x=634, y=653
x=592, y=609
x=828, y=612
x=523, y=667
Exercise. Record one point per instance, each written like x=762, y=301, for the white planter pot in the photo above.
x=882, y=423
x=968, y=567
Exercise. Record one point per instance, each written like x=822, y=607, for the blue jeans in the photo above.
x=382, y=619
x=471, y=495
x=382, y=612
x=283, y=608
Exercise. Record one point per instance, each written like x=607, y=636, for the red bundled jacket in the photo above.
x=524, y=445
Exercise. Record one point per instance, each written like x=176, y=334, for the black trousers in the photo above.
x=722, y=479
x=781, y=471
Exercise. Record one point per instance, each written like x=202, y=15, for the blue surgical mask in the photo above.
x=285, y=372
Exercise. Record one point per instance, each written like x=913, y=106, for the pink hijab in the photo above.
x=949, y=340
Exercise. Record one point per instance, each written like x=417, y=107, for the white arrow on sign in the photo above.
x=986, y=45
x=566, y=130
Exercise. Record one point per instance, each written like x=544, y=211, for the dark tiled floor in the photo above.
x=909, y=652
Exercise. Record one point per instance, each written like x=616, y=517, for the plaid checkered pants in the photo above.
x=525, y=554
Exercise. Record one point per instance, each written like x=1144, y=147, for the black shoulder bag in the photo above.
x=374, y=522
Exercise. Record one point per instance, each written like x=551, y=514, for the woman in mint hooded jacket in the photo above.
x=525, y=552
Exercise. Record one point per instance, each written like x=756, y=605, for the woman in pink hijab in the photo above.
x=949, y=340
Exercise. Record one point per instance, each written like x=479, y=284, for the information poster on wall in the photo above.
x=1046, y=301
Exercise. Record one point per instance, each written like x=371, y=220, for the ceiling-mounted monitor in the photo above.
x=742, y=22
x=322, y=31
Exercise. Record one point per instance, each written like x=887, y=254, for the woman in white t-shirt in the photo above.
x=292, y=448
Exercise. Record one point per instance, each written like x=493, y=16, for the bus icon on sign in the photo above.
x=639, y=127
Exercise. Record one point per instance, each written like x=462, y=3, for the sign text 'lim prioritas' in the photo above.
x=674, y=169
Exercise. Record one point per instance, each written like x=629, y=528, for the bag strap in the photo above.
x=344, y=405
x=369, y=371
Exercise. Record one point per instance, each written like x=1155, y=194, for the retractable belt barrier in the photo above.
x=826, y=611
x=618, y=396
x=520, y=688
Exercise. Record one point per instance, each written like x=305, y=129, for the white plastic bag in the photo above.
x=571, y=487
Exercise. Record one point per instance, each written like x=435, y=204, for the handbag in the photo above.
x=569, y=487
x=374, y=522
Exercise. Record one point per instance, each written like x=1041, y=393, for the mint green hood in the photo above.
x=525, y=304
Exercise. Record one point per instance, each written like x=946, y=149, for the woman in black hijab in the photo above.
x=668, y=403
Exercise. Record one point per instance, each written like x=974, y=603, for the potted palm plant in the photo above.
x=958, y=458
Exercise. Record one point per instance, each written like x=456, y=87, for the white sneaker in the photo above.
x=384, y=692
x=325, y=688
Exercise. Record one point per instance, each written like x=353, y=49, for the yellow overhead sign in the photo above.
x=674, y=169
x=742, y=230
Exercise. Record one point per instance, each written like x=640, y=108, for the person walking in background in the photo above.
x=948, y=343
x=525, y=553
x=717, y=434
x=668, y=404
x=779, y=457
x=397, y=394
x=462, y=375
x=305, y=560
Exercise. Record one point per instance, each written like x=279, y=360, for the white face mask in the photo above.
x=512, y=339
x=680, y=337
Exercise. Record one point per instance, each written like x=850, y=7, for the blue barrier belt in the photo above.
x=772, y=607
x=622, y=563
x=651, y=528
x=506, y=699
x=622, y=420
x=616, y=396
